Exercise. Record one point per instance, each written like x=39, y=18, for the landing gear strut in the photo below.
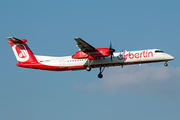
x=100, y=73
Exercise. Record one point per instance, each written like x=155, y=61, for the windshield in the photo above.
x=159, y=51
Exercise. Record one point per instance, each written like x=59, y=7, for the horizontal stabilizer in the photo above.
x=15, y=40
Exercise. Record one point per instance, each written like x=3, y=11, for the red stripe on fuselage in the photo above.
x=61, y=68
x=41, y=66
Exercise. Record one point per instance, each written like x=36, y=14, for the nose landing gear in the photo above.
x=166, y=64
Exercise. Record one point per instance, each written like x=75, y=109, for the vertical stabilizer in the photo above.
x=21, y=50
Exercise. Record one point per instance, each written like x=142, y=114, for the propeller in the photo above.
x=111, y=50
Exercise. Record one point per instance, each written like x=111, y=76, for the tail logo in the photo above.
x=20, y=52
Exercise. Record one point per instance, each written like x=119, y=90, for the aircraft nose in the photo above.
x=171, y=57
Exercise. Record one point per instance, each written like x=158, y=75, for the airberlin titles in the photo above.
x=143, y=54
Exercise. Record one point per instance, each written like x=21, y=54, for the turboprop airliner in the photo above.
x=86, y=58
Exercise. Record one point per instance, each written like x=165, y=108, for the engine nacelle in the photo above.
x=100, y=52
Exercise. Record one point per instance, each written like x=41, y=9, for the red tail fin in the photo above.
x=21, y=50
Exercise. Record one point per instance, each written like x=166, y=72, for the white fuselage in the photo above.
x=119, y=58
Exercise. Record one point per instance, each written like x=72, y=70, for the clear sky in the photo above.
x=146, y=92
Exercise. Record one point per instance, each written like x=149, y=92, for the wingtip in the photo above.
x=77, y=38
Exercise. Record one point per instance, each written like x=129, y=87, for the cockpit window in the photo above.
x=159, y=51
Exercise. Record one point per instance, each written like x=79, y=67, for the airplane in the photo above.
x=86, y=58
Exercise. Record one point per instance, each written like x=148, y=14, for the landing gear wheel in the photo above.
x=100, y=75
x=165, y=64
x=88, y=68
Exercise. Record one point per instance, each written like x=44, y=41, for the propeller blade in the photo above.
x=111, y=50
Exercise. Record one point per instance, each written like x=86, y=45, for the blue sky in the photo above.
x=148, y=91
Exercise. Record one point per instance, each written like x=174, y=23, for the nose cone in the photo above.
x=170, y=57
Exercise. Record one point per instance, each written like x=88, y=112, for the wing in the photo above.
x=84, y=46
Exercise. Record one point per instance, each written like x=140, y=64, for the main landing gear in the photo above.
x=100, y=73
x=88, y=68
